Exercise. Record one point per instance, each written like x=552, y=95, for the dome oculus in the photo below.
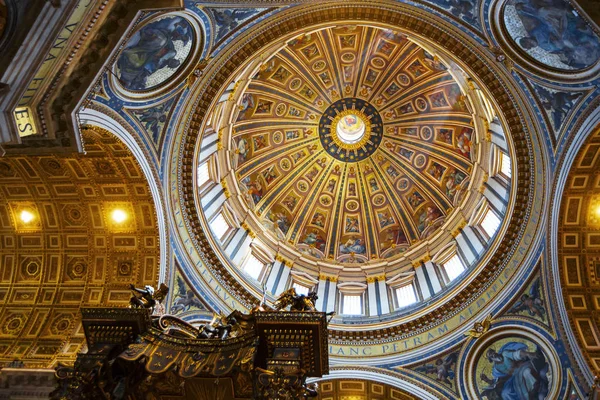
x=350, y=130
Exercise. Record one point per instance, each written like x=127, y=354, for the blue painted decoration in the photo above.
x=153, y=119
x=552, y=32
x=556, y=104
x=228, y=19
x=154, y=53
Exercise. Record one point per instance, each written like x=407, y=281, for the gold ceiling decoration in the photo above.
x=70, y=253
x=579, y=248
x=359, y=389
x=352, y=144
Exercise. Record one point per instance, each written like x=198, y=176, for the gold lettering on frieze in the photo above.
x=25, y=121
x=436, y=332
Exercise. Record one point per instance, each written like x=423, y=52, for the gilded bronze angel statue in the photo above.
x=147, y=297
x=221, y=327
x=295, y=301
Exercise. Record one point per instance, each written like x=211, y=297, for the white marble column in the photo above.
x=384, y=300
x=285, y=274
x=331, y=295
x=371, y=292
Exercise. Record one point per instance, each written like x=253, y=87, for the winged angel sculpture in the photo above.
x=295, y=301
x=221, y=327
x=147, y=297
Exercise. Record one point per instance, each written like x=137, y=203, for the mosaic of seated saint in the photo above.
x=154, y=53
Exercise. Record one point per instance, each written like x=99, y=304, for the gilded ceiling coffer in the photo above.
x=133, y=354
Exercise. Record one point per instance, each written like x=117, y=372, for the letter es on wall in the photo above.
x=25, y=121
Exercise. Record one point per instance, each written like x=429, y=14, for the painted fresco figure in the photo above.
x=255, y=190
x=318, y=220
x=154, y=119
x=185, y=299
x=517, y=374
x=464, y=9
x=427, y=217
x=356, y=246
x=544, y=26
x=373, y=184
x=229, y=19
x=242, y=150
x=282, y=222
x=246, y=107
x=553, y=26
x=452, y=182
x=531, y=302
x=463, y=142
x=443, y=369
x=352, y=224
x=352, y=189
x=151, y=49
x=315, y=239
x=559, y=104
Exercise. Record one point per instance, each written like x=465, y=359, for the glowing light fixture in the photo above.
x=597, y=210
x=119, y=216
x=26, y=216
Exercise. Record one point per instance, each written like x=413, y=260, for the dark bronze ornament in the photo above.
x=134, y=355
x=147, y=297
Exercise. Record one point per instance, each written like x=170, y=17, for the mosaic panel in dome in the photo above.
x=514, y=367
x=155, y=52
x=183, y=299
x=552, y=33
x=204, y=113
x=441, y=369
x=556, y=104
x=226, y=20
x=154, y=119
x=531, y=302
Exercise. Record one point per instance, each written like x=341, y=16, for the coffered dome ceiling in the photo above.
x=354, y=144
x=348, y=157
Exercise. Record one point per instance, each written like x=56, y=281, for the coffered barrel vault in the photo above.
x=61, y=248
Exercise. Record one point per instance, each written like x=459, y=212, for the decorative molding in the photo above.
x=251, y=233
